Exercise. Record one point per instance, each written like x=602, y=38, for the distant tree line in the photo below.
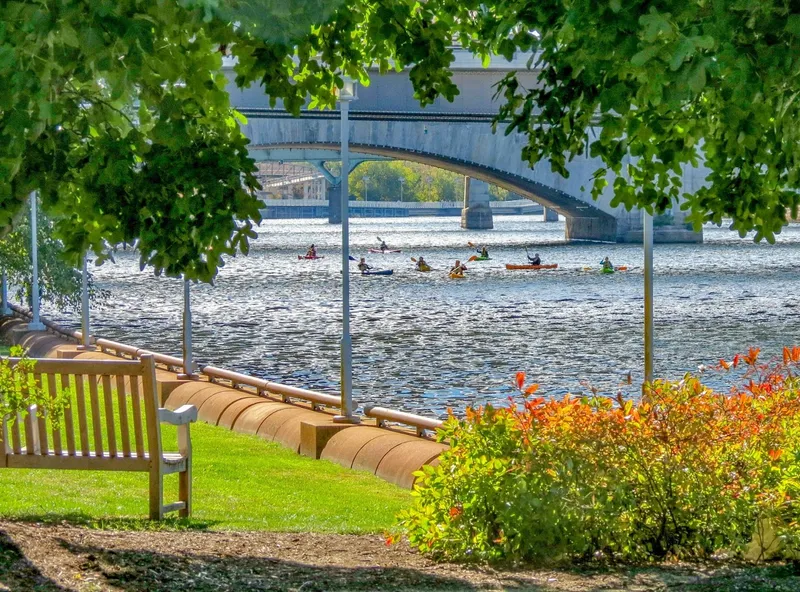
x=419, y=182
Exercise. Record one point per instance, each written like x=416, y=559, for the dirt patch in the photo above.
x=49, y=558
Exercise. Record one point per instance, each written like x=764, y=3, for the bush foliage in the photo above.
x=681, y=472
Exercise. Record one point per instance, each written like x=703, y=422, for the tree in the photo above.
x=59, y=282
x=650, y=85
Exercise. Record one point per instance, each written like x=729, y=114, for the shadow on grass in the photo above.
x=113, y=523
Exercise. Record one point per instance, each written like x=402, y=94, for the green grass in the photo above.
x=240, y=482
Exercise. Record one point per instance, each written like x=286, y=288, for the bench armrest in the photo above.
x=181, y=416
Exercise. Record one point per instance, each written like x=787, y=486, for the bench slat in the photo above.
x=95, y=404
x=30, y=431
x=79, y=462
x=83, y=428
x=137, y=416
x=68, y=423
x=40, y=421
x=54, y=425
x=15, y=435
x=57, y=366
x=108, y=397
x=122, y=401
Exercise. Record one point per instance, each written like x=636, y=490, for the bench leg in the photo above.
x=156, y=494
x=185, y=490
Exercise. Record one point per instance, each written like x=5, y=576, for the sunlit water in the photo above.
x=424, y=342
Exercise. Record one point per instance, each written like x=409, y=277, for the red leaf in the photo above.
x=531, y=389
x=520, y=380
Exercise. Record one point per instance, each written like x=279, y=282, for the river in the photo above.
x=423, y=342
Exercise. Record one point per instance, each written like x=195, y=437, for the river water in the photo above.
x=424, y=342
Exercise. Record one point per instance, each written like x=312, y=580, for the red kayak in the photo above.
x=386, y=251
x=301, y=257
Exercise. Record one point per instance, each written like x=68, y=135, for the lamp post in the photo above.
x=85, y=344
x=36, y=323
x=347, y=94
x=365, y=178
x=647, y=243
x=402, y=184
x=4, y=308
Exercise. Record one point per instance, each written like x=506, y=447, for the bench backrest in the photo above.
x=111, y=416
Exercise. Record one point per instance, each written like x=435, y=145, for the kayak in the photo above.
x=386, y=251
x=301, y=257
x=423, y=269
x=456, y=276
x=379, y=272
x=479, y=258
x=529, y=266
x=606, y=270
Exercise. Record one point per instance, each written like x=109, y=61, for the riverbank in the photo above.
x=61, y=557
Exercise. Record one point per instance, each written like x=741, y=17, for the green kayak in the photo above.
x=479, y=258
x=606, y=270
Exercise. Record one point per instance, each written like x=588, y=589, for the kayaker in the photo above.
x=458, y=268
x=362, y=266
x=607, y=263
x=484, y=252
x=535, y=260
x=312, y=252
x=422, y=265
x=383, y=246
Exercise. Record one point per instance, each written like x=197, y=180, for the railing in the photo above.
x=419, y=422
x=287, y=394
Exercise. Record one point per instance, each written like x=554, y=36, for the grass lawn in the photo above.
x=240, y=483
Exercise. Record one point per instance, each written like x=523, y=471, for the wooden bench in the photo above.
x=116, y=429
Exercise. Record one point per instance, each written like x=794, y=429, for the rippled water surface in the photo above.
x=425, y=342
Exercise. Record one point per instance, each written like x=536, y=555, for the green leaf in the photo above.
x=793, y=25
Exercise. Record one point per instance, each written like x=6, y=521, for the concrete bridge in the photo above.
x=387, y=122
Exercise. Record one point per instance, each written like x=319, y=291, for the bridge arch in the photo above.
x=469, y=148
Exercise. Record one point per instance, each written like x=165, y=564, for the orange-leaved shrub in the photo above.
x=681, y=472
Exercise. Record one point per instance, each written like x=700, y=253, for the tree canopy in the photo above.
x=117, y=111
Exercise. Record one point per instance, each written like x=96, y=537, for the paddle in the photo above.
x=471, y=244
x=473, y=258
x=414, y=259
x=352, y=258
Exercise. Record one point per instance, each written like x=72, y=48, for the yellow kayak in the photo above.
x=424, y=268
x=456, y=276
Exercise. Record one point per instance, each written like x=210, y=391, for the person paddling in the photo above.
x=383, y=246
x=607, y=264
x=535, y=260
x=422, y=265
x=363, y=267
x=312, y=252
x=459, y=268
x=484, y=252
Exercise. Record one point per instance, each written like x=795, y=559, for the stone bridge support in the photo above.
x=477, y=214
x=335, y=204
x=550, y=215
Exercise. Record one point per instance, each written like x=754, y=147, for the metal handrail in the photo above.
x=419, y=422
x=287, y=393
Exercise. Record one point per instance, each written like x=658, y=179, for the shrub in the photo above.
x=19, y=389
x=681, y=472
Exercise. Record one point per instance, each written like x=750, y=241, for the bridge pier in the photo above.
x=592, y=229
x=550, y=215
x=335, y=204
x=477, y=214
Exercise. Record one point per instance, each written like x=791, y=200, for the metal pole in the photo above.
x=4, y=308
x=188, y=364
x=402, y=184
x=36, y=323
x=347, y=343
x=85, y=302
x=647, y=239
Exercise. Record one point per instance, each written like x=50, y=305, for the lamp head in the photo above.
x=349, y=90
